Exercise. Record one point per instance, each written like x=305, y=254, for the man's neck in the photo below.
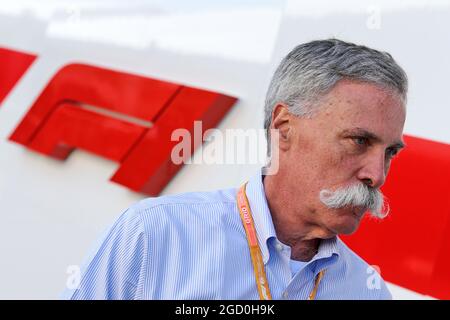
x=291, y=228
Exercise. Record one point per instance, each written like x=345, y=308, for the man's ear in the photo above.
x=282, y=121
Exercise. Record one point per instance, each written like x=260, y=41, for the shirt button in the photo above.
x=285, y=295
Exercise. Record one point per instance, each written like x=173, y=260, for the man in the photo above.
x=339, y=111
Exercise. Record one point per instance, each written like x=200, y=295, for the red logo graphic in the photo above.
x=84, y=107
x=13, y=65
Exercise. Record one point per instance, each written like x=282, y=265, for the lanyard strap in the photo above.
x=258, y=265
x=255, y=252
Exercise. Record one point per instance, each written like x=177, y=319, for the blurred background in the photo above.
x=63, y=169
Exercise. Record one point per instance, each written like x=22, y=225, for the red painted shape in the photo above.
x=413, y=241
x=151, y=156
x=440, y=280
x=131, y=95
x=57, y=122
x=13, y=65
x=70, y=126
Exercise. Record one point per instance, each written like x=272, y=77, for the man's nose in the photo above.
x=373, y=172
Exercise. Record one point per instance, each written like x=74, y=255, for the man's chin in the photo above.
x=344, y=228
x=347, y=230
x=348, y=222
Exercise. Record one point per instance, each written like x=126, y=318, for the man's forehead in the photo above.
x=366, y=108
x=361, y=99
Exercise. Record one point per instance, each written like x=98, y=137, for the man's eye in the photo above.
x=361, y=141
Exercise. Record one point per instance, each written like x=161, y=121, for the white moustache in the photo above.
x=358, y=195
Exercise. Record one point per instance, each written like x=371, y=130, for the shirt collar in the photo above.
x=264, y=225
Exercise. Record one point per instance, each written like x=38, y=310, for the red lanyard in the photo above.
x=258, y=265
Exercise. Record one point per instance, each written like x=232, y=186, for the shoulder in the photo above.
x=186, y=199
x=184, y=209
x=363, y=274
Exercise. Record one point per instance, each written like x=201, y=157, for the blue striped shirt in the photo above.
x=193, y=246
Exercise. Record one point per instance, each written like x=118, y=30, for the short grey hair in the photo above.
x=312, y=69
